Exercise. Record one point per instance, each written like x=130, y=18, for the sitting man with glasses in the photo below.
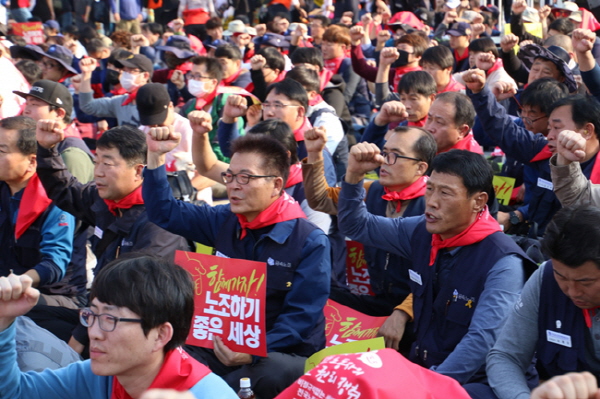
x=136, y=70
x=139, y=316
x=202, y=82
x=399, y=192
x=260, y=223
x=524, y=141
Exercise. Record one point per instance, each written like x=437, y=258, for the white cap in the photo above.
x=245, y=382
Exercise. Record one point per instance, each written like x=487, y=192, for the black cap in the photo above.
x=27, y=52
x=152, y=102
x=139, y=61
x=53, y=93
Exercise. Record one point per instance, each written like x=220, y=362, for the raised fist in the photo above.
x=315, y=139
x=474, y=80
x=387, y=56
x=390, y=112
x=258, y=62
x=88, y=65
x=235, y=107
x=518, y=6
x=178, y=79
x=200, y=121
x=162, y=139
x=508, y=42
x=48, y=133
x=583, y=40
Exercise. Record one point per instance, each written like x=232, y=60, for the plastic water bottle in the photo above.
x=245, y=390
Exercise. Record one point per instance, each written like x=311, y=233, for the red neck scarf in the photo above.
x=587, y=316
x=33, y=203
x=185, y=68
x=130, y=98
x=179, y=371
x=228, y=81
x=333, y=65
x=317, y=100
x=483, y=226
x=467, y=143
x=595, y=175
x=299, y=133
x=401, y=71
x=416, y=189
x=543, y=154
x=420, y=123
x=282, y=209
x=118, y=92
x=325, y=77
x=201, y=102
x=295, y=176
x=497, y=65
x=459, y=58
x=130, y=200
x=453, y=85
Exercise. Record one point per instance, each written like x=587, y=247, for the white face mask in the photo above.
x=127, y=81
x=196, y=88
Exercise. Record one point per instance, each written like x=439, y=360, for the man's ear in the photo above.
x=278, y=187
x=60, y=113
x=301, y=112
x=422, y=168
x=589, y=131
x=463, y=130
x=164, y=333
x=480, y=201
x=139, y=171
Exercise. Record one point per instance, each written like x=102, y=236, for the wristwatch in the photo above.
x=513, y=218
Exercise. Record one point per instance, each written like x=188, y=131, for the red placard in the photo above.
x=343, y=324
x=32, y=32
x=357, y=271
x=229, y=302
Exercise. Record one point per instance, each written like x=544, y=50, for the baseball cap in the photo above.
x=215, y=43
x=530, y=15
x=178, y=45
x=272, y=39
x=459, y=29
x=139, y=61
x=153, y=104
x=52, y=24
x=53, y=93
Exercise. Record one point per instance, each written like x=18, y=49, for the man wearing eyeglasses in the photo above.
x=261, y=223
x=140, y=314
x=524, y=141
x=136, y=70
x=456, y=319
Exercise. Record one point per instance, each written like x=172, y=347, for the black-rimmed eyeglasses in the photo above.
x=392, y=157
x=241, y=178
x=106, y=321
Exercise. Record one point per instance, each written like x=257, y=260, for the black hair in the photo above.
x=562, y=25
x=464, y=110
x=72, y=30
x=438, y=55
x=228, y=51
x=154, y=28
x=87, y=33
x=307, y=55
x=128, y=140
x=212, y=65
x=95, y=45
x=154, y=288
x=572, y=236
x=484, y=45
x=419, y=82
x=25, y=127
x=274, y=154
x=66, y=119
x=30, y=70
x=325, y=22
x=543, y=93
x=292, y=90
x=475, y=172
x=584, y=109
x=280, y=130
x=425, y=147
x=308, y=78
x=273, y=57
x=214, y=22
